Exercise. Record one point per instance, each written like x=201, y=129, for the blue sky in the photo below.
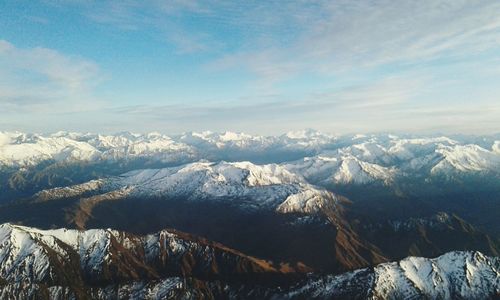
x=262, y=67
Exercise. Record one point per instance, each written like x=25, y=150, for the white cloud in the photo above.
x=40, y=80
x=411, y=65
x=391, y=104
x=385, y=92
x=278, y=40
x=343, y=35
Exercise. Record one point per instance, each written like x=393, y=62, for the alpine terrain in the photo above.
x=237, y=216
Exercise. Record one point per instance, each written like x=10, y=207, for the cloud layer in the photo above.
x=267, y=67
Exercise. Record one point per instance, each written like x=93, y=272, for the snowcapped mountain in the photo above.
x=104, y=264
x=273, y=197
x=254, y=208
x=44, y=251
x=227, y=139
x=440, y=155
x=384, y=159
x=496, y=147
x=342, y=159
x=465, y=158
x=70, y=263
x=19, y=149
x=242, y=184
x=341, y=168
x=454, y=275
x=467, y=275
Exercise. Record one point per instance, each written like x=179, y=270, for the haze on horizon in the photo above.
x=263, y=67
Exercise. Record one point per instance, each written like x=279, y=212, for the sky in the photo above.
x=262, y=67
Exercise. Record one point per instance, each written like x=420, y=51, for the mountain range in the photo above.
x=106, y=264
x=435, y=154
x=233, y=215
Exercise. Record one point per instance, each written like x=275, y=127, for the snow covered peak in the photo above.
x=370, y=151
x=93, y=246
x=36, y=149
x=351, y=159
x=308, y=201
x=269, y=174
x=341, y=168
x=233, y=136
x=266, y=186
x=32, y=255
x=454, y=275
x=306, y=139
x=21, y=150
x=244, y=184
x=68, y=258
x=304, y=134
x=466, y=158
x=465, y=275
x=496, y=147
x=68, y=262
x=240, y=173
x=377, y=159
x=353, y=170
x=222, y=140
x=18, y=247
x=407, y=149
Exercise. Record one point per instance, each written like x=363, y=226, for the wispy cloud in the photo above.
x=334, y=65
x=278, y=40
x=44, y=80
x=343, y=35
x=332, y=111
x=163, y=18
x=386, y=92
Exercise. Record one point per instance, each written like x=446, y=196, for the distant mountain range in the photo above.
x=357, y=158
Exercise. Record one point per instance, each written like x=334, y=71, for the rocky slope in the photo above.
x=243, y=184
x=429, y=236
x=63, y=261
x=253, y=208
x=108, y=264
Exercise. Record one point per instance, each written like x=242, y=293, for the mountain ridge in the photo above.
x=85, y=264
